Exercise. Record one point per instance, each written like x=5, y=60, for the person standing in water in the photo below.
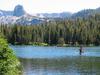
x=80, y=50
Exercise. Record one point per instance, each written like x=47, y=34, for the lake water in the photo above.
x=58, y=60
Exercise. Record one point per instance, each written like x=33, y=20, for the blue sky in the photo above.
x=49, y=6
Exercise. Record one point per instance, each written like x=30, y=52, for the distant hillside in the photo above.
x=55, y=15
x=86, y=13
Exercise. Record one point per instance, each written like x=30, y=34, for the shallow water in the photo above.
x=58, y=60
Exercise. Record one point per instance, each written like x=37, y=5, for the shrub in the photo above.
x=9, y=64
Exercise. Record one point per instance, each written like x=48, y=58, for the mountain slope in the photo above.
x=18, y=16
x=86, y=13
x=6, y=13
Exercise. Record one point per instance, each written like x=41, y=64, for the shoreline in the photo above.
x=54, y=45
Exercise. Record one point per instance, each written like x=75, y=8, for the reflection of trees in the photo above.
x=78, y=65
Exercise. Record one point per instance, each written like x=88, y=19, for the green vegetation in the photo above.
x=39, y=44
x=9, y=65
x=61, y=42
x=64, y=32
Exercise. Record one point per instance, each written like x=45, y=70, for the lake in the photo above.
x=58, y=60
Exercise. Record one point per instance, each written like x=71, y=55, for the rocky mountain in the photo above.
x=19, y=11
x=29, y=20
x=19, y=16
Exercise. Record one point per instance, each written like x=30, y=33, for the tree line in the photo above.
x=77, y=31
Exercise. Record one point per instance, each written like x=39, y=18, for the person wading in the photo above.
x=81, y=50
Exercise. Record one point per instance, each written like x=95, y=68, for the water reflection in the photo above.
x=64, y=66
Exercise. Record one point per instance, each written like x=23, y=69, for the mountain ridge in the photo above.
x=20, y=16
